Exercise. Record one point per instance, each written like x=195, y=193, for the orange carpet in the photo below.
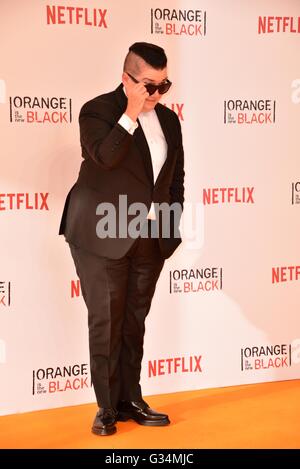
x=254, y=416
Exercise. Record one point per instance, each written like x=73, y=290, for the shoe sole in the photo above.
x=104, y=431
x=123, y=417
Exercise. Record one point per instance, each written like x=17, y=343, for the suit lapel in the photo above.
x=141, y=141
x=159, y=109
x=161, y=114
x=138, y=136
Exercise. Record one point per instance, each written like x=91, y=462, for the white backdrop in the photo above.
x=226, y=308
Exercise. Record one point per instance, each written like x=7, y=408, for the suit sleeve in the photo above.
x=102, y=138
x=177, y=185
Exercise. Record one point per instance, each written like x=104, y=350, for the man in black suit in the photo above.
x=132, y=148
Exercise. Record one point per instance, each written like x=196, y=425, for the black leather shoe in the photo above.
x=141, y=413
x=104, y=423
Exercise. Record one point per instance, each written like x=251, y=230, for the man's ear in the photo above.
x=125, y=78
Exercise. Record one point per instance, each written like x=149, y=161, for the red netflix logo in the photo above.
x=76, y=15
x=168, y=366
x=75, y=288
x=177, y=108
x=278, y=24
x=24, y=200
x=285, y=274
x=221, y=195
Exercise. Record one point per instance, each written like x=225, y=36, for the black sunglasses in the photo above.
x=162, y=88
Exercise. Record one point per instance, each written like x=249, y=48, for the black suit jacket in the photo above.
x=115, y=163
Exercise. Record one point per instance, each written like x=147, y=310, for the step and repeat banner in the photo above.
x=227, y=305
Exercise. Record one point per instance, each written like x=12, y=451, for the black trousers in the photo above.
x=118, y=295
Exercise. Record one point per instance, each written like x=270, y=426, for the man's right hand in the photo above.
x=136, y=94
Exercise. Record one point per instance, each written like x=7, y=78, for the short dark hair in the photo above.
x=152, y=54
